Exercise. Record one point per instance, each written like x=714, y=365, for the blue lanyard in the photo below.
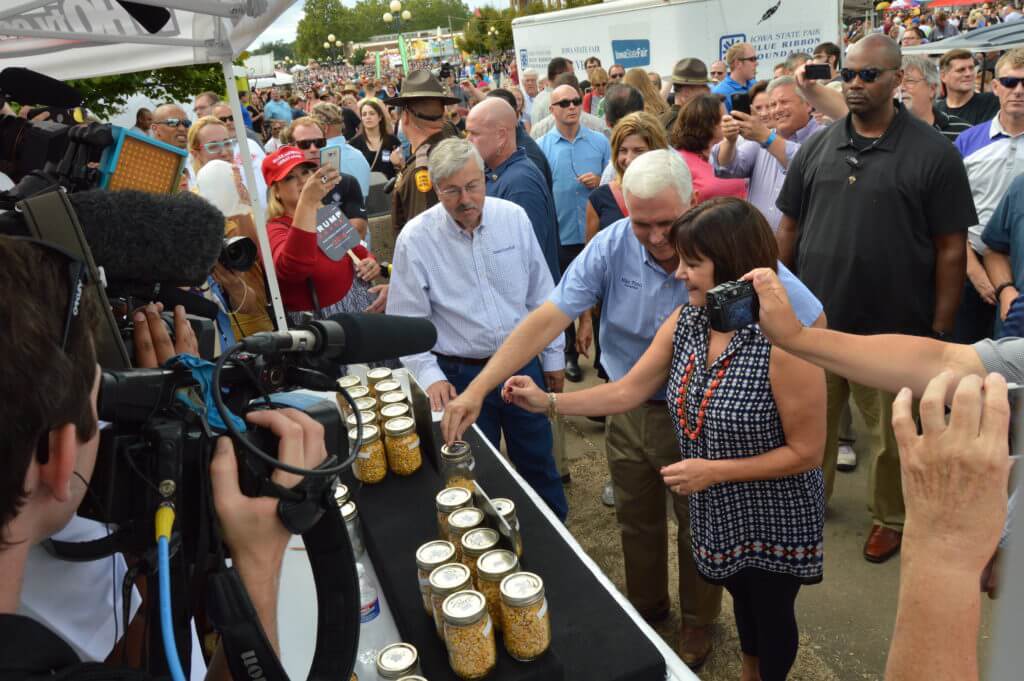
x=227, y=334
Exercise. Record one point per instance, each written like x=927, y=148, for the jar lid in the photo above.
x=399, y=426
x=393, y=397
x=369, y=418
x=356, y=392
x=366, y=403
x=378, y=374
x=504, y=507
x=456, y=450
x=397, y=659
x=464, y=607
x=389, y=385
x=393, y=411
x=370, y=433
x=478, y=541
x=348, y=511
x=341, y=493
x=434, y=553
x=349, y=381
x=453, y=498
x=465, y=518
x=522, y=588
x=412, y=678
x=496, y=564
x=449, y=578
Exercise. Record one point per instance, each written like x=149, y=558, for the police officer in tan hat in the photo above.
x=422, y=100
x=689, y=79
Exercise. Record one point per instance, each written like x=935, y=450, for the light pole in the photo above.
x=396, y=15
x=333, y=47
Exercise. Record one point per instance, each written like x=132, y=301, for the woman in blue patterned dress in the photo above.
x=750, y=420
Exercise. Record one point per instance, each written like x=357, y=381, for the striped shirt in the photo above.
x=949, y=125
x=475, y=287
x=992, y=159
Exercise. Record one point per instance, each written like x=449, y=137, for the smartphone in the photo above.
x=331, y=156
x=817, y=71
x=741, y=102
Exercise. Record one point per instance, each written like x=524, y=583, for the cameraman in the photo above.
x=48, y=417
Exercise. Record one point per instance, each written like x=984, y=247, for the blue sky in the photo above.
x=284, y=27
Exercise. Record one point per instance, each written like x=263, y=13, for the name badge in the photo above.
x=385, y=156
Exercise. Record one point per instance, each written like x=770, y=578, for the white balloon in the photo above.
x=216, y=183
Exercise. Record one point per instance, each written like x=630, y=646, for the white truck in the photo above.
x=655, y=34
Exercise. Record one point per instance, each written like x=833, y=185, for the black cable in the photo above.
x=226, y=417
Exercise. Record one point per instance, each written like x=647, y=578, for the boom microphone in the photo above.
x=25, y=86
x=349, y=338
x=142, y=239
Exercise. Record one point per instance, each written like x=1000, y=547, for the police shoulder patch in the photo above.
x=423, y=180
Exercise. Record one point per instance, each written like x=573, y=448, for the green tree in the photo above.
x=107, y=95
x=358, y=55
x=279, y=48
x=488, y=32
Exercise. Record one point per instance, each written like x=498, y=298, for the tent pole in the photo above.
x=257, y=204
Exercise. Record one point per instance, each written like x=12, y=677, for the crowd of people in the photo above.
x=540, y=217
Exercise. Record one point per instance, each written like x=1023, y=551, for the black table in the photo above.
x=593, y=637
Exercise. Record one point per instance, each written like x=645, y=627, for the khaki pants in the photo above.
x=885, y=489
x=638, y=444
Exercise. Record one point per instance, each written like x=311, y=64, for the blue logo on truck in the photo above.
x=727, y=41
x=524, y=60
x=632, y=53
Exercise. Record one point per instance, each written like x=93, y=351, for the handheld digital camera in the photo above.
x=732, y=305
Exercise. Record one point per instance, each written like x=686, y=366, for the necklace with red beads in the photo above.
x=694, y=432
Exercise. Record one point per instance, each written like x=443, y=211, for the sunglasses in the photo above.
x=566, y=103
x=867, y=75
x=226, y=119
x=1010, y=82
x=616, y=76
x=318, y=142
x=217, y=147
x=746, y=58
x=175, y=122
x=426, y=117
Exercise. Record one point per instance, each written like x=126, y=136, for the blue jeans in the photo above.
x=528, y=436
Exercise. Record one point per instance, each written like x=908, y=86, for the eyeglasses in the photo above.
x=566, y=103
x=867, y=75
x=217, y=147
x=226, y=119
x=1010, y=82
x=913, y=81
x=319, y=143
x=175, y=122
x=454, y=192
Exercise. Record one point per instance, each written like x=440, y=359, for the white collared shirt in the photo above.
x=474, y=286
x=992, y=159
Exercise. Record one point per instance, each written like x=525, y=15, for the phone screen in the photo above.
x=741, y=102
x=817, y=72
x=331, y=156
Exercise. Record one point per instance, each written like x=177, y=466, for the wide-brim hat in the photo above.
x=421, y=85
x=690, y=71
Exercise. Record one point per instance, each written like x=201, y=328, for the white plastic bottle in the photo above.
x=371, y=630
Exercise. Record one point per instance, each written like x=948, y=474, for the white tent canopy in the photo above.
x=990, y=39
x=67, y=39
x=279, y=78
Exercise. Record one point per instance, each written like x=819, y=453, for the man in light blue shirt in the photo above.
x=277, y=108
x=472, y=265
x=331, y=121
x=630, y=267
x=577, y=156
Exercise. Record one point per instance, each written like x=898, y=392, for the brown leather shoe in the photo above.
x=882, y=544
x=694, y=646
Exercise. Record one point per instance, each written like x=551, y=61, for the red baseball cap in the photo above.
x=278, y=164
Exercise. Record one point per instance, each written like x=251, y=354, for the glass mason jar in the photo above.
x=394, y=411
x=476, y=543
x=355, y=531
x=355, y=392
x=447, y=501
x=506, y=508
x=469, y=635
x=444, y=581
x=402, y=444
x=492, y=567
x=386, y=386
x=341, y=494
x=429, y=557
x=460, y=522
x=371, y=463
x=393, y=397
x=524, y=616
x=375, y=376
x=398, y=660
x=457, y=464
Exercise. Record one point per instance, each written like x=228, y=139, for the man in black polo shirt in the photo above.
x=880, y=240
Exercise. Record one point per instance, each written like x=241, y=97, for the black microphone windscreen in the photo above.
x=140, y=237
x=375, y=337
x=25, y=86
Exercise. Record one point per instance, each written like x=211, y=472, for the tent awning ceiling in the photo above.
x=85, y=38
x=989, y=39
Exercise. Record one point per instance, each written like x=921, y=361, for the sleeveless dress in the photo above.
x=772, y=525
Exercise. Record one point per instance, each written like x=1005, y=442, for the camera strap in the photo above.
x=248, y=652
